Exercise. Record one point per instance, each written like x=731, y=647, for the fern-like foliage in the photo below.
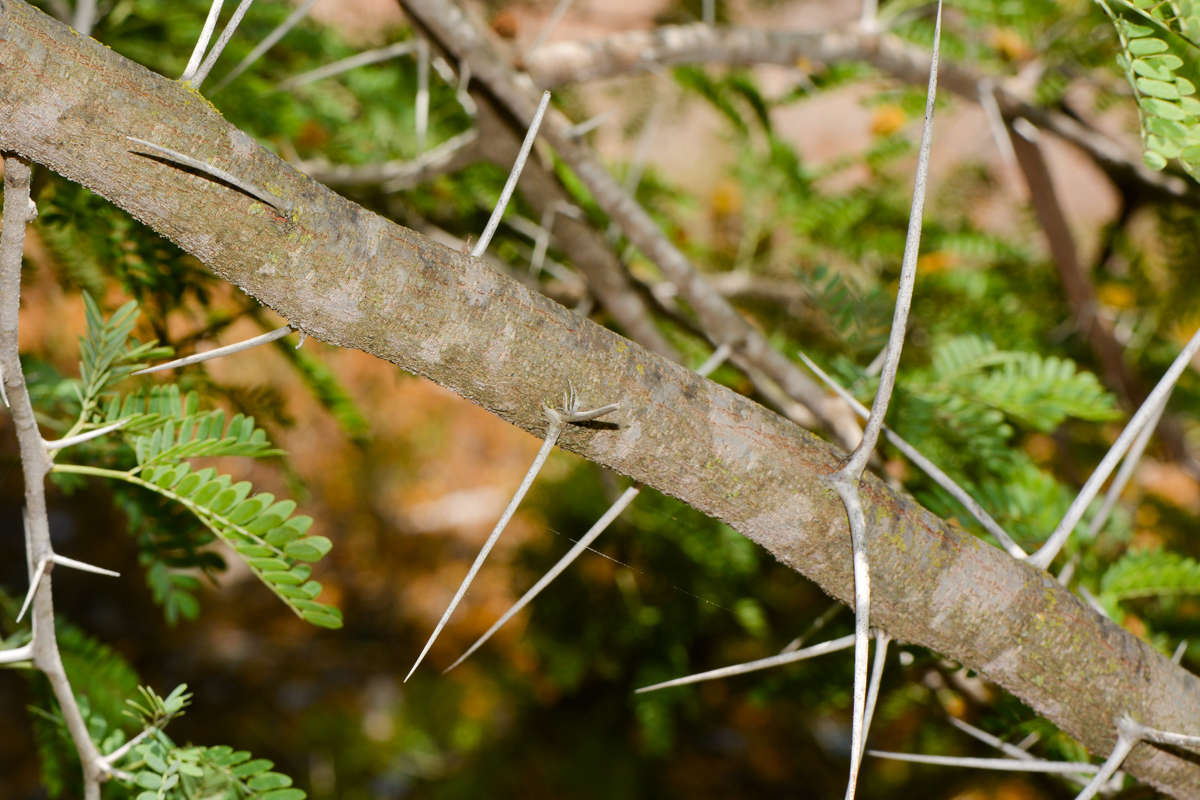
x=1038, y=391
x=1160, y=43
x=1150, y=573
x=164, y=427
x=108, y=353
x=164, y=771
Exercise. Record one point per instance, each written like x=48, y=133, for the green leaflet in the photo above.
x=1161, y=59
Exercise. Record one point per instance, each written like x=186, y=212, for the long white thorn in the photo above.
x=845, y=481
x=17, y=654
x=211, y=59
x=1128, y=737
x=708, y=13
x=266, y=44
x=3, y=393
x=1002, y=764
x=820, y=622
x=85, y=16
x=1180, y=649
x=494, y=221
x=924, y=464
x=1128, y=465
x=606, y=519
x=1043, y=557
x=881, y=647
x=577, y=550
x=282, y=206
x=1010, y=750
x=38, y=572
x=750, y=666
x=422, y=109
x=228, y=349
x=347, y=64
x=59, y=444
x=558, y=421
x=556, y=16
x=210, y=25
x=82, y=566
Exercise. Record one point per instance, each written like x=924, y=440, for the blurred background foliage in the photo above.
x=998, y=386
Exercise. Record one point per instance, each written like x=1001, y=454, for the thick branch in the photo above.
x=353, y=279
x=631, y=53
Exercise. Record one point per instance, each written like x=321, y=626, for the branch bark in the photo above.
x=351, y=278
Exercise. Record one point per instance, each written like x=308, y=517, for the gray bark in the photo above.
x=354, y=279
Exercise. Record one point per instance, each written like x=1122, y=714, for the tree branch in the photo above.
x=631, y=53
x=353, y=279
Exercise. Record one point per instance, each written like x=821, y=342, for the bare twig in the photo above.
x=559, y=419
x=396, y=176
x=762, y=663
x=35, y=462
x=513, y=176
x=299, y=13
x=284, y=207
x=228, y=349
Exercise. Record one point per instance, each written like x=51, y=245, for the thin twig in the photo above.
x=924, y=464
x=18, y=211
x=210, y=25
x=299, y=13
x=228, y=349
x=558, y=419
x=211, y=59
x=498, y=212
x=284, y=207
x=763, y=663
x=1043, y=557
x=346, y=64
